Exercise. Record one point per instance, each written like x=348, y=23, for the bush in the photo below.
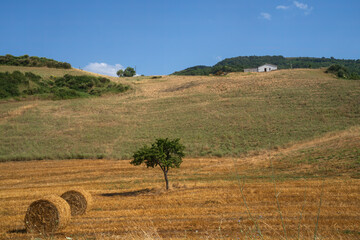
x=65, y=93
x=33, y=77
x=81, y=83
x=339, y=70
x=9, y=83
x=96, y=91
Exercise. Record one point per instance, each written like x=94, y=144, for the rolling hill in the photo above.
x=214, y=116
x=238, y=64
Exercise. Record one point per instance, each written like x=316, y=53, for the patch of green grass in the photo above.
x=353, y=232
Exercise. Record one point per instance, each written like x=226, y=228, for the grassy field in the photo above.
x=214, y=116
x=269, y=156
x=307, y=189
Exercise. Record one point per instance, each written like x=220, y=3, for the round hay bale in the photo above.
x=47, y=215
x=79, y=200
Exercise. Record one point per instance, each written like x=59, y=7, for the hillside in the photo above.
x=237, y=64
x=48, y=83
x=229, y=115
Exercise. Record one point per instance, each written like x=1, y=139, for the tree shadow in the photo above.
x=128, y=194
x=17, y=231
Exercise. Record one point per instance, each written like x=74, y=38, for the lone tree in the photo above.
x=129, y=72
x=164, y=152
x=120, y=73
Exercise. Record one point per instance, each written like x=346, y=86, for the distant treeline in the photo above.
x=17, y=84
x=238, y=64
x=27, y=61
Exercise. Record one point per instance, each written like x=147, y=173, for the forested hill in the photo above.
x=33, y=61
x=237, y=64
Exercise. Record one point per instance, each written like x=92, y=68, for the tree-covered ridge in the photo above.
x=33, y=61
x=17, y=84
x=196, y=70
x=238, y=64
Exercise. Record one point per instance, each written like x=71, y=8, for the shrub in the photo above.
x=33, y=77
x=9, y=84
x=96, y=91
x=339, y=70
x=65, y=93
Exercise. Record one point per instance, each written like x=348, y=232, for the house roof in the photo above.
x=268, y=64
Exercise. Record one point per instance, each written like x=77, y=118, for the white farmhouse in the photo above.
x=267, y=68
x=263, y=68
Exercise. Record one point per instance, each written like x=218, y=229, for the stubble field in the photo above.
x=272, y=195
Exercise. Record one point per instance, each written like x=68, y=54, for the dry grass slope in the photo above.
x=214, y=116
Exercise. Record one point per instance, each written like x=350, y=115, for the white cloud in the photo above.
x=219, y=58
x=266, y=16
x=282, y=7
x=300, y=5
x=103, y=68
x=303, y=7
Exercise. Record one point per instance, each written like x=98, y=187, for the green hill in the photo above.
x=237, y=64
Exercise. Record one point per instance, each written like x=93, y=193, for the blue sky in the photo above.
x=163, y=36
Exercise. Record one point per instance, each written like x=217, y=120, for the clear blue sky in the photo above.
x=163, y=36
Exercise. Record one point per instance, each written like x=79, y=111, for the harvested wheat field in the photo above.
x=261, y=196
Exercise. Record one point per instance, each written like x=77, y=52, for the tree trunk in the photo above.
x=166, y=180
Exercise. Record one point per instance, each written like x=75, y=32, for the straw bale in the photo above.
x=79, y=200
x=47, y=215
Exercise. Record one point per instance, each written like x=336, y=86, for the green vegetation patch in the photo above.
x=342, y=72
x=18, y=84
x=33, y=61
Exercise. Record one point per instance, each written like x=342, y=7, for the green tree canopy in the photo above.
x=120, y=73
x=164, y=152
x=129, y=72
